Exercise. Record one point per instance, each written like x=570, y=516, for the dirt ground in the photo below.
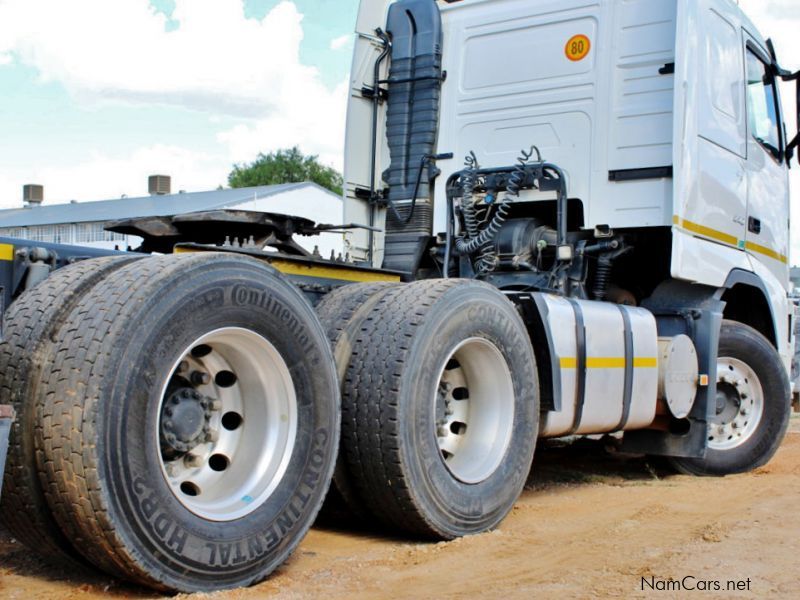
x=591, y=524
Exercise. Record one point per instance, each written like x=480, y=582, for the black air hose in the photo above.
x=471, y=244
x=469, y=180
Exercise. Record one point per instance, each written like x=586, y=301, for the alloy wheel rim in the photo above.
x=227, y=424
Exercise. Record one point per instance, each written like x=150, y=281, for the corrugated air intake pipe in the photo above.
x=412, y=123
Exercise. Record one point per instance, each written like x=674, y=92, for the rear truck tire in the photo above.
x=31, y=323
x=191, y=422
x=440, y=408
x=342, y=312
x=753, y=405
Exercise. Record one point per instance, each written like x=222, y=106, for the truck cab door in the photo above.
x=767, y=235
x=710, y=147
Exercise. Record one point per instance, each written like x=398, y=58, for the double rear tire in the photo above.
x=440, y=407
x=32, y=322
x=183, y=422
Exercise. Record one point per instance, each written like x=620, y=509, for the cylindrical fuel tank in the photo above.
x=605, y=366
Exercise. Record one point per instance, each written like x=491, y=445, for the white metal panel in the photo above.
x=700, y=261
x=710, y=183
x=782, y=307
x=767, y=181
x=641, y=135
x=721, y=69
x=510, y=85
x=637, y=103
x=359, y=134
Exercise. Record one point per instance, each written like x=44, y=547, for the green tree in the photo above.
x=285, y=166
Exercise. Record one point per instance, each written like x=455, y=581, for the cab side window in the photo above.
x=762, y=105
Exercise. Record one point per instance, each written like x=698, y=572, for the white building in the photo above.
x=83, y=223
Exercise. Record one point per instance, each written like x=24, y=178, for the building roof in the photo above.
x=148, y=206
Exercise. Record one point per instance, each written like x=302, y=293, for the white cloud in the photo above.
x=341, y=42
x=103, y=177
x=316, y=129
x=216, y=61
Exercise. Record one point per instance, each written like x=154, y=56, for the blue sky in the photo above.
x=78, y=114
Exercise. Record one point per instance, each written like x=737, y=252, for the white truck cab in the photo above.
x=652, y=182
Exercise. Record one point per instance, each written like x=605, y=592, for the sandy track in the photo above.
x=590, y=525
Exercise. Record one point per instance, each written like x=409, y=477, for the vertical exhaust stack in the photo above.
x=159, y=185
x=32, y=194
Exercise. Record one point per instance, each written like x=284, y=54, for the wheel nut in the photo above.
x=212, y=436
x=216, y=405
x=183, y=366
x=200, y=378
x=443, y=431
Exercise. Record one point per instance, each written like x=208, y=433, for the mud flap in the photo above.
x=693, y=310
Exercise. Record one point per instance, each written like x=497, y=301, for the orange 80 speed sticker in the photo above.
x=578, y=47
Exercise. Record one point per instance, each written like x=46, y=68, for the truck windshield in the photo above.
x=762, y=105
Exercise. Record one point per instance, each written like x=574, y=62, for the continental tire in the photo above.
x=341, y=313
x=191, y=422
x=753, y=405
x=440, y=408
x=30, y=324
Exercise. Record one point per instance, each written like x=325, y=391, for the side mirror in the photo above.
x=784, y=75
x=792, y=146
x=796, y=141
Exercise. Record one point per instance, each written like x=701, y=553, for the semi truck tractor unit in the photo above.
x=565, y=218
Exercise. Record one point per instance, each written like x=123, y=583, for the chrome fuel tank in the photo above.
x=605, y=366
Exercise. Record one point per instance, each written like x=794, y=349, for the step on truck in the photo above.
x=570, y=218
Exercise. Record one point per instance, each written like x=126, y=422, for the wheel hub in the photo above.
x=185, y=420
x=728, y=401
x=228, y=423
x=474, y=410
x=739, y=405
